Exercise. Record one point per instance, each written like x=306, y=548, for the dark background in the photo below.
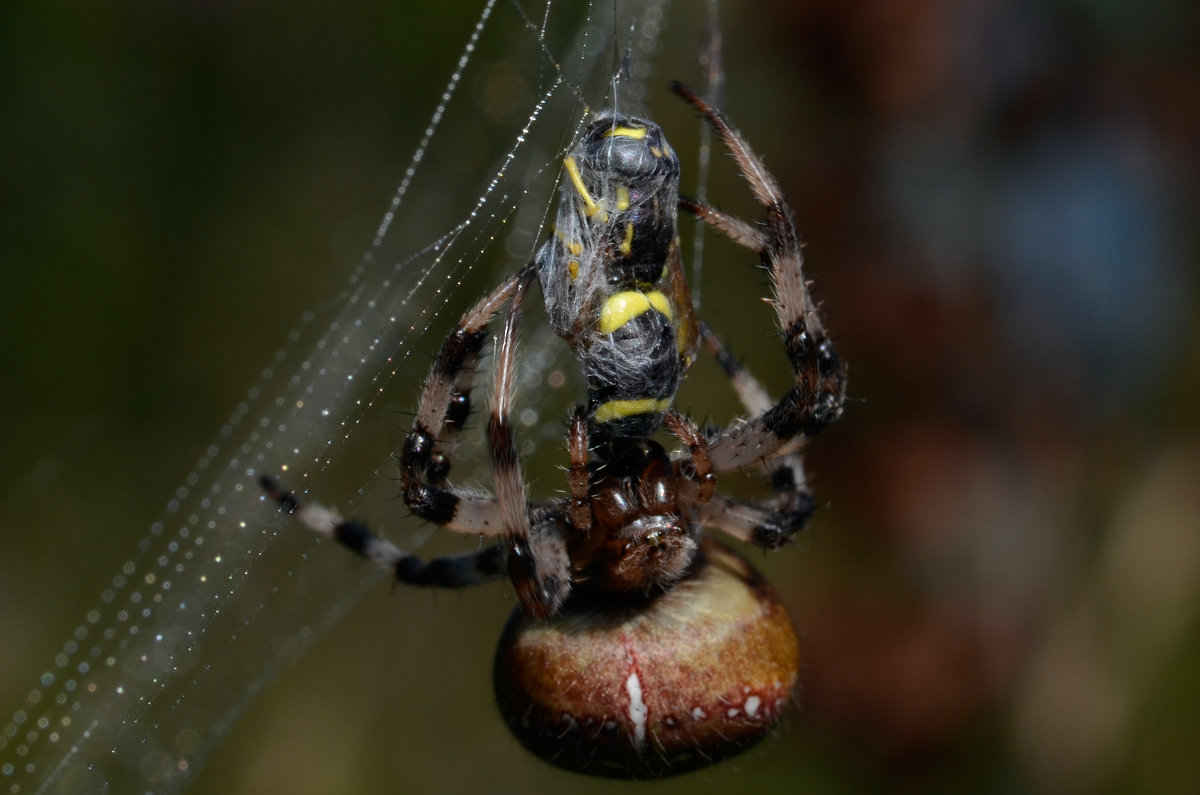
x=1001, y=590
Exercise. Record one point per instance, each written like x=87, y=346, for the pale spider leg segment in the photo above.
x=747, y=521
x=768, y=526
x=423, y=461
x=756, y=400
x=697, y=481
x=458, y=571
x=752, y=393
x=816, y=398
x=579, y=510
x=687, y=335
x=537, y=552
x=733, y=228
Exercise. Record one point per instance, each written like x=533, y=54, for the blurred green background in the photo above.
x=1001, y=591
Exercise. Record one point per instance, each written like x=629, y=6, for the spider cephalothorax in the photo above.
x=640, y=649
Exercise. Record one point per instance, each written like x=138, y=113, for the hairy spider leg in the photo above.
x=445, y=404
x=579, y=509
x=537, y=552
x=772, y=524
x=786, y=467
x=820, y=376
x=457, y=571
x=698, y=481
x=443, y=408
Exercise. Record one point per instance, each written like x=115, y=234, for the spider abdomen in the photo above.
x=668, y=684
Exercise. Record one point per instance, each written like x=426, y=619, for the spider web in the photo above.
x=222, y=593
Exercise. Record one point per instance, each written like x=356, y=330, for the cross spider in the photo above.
x=639, y=649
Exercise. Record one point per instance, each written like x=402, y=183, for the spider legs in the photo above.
x=785, y=466
x=458, y=571
x=443, y=409
x=580, y=510
x=536, y=550
x=698, y=481
x=533, y=544
x=816, y=398
x=533, y=553
x=772, y=522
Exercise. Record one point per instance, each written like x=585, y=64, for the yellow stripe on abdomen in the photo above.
x=626, y=305
x=617, y=409
x=637, y=133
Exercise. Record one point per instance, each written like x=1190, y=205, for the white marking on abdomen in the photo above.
x=637, y=711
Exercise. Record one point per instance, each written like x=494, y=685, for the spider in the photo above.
x=640, y=648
